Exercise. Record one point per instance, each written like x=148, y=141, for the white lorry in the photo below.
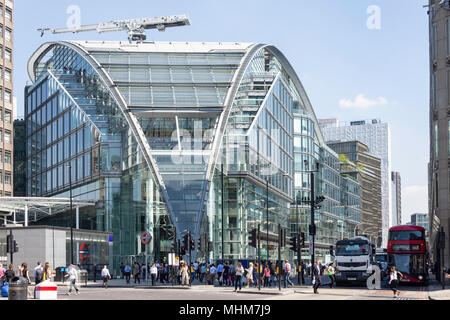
x=353, y=259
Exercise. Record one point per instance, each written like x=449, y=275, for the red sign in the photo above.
x=145, y=237
x=84, y=252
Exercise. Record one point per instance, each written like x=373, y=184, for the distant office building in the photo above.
x=396, y=198
x=420, y=219
x=439, y=165
x=20, y=158
x=6, y=98
x=376, y=135
x=356, y=162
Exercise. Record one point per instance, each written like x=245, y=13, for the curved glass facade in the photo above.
x=142, y=125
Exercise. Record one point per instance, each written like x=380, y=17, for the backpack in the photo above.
x=288, y=267
x=39, y=275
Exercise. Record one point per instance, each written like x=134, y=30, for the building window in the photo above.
x=8, y=157
x=7, y=117
x=7, y=177
x=7, y=96
x=7, y=137
x=8, y=53
x=7, y=194
x=8, y=14
x=7, y=34
x=8, y=75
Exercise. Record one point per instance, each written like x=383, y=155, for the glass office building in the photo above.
x=173, y=137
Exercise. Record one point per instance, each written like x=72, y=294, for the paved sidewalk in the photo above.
x=435, y=291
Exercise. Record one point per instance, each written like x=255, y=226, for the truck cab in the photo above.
x=353, y=259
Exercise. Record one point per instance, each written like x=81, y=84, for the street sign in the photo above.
x=84, y=252
x=177, y=262
x=146, y=237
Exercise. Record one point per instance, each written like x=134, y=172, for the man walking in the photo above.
x=287, y=274
x=331, y=273
x=73, y=277
x=316, y=276
x=219, y=273
x=38, y=273
x=105, y=276
x=127, y=270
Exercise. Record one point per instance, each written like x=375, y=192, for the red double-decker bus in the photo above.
x=407, y=251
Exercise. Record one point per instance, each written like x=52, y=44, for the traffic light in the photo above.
x=331, y=250
x=192, y=244
x=302, y=239
x=8, y=244
x=312, y=230
x=252, y=238
x=186, y=241
x=200, y=244
x=293, y=244
x=320, y=199
x=283, y=237
x=15, y=246
x=183, y=251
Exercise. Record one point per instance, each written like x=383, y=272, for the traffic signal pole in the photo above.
x=259, y=257
x=280, y=241
x=299, y=258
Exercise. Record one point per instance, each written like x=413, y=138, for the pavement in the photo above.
x=201, y=291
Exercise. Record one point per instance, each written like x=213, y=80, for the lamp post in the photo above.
x=71, y=213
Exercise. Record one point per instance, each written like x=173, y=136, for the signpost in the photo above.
x=84, y=252
x=145, y=239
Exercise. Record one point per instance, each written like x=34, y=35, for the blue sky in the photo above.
x=335, y=54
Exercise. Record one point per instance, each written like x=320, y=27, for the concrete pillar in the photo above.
x=26, y=215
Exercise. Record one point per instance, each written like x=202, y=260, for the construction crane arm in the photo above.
x=135, y=27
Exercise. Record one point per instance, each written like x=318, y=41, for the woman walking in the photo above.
x=47, y=272
x=393, y=280
x=331, y=273
x=154, y=273
x=249, y=275
x=239, y=273
x=266, y=276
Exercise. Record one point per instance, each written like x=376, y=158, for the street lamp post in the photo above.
x=71, y=213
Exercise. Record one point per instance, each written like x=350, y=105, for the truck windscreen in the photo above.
x=352, y=248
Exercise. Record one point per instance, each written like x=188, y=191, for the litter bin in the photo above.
x=83, y=276
x=18, y=289
x=60, y=274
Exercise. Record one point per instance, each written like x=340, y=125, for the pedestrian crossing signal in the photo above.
x=293, y=244
x=252, y=238
x=183, y=251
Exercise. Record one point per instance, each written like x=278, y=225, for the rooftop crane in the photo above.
x=135, y=27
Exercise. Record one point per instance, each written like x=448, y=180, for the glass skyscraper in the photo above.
x=176, y=137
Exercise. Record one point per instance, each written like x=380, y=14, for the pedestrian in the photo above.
x=302, y=271
x=73, y=277
x=273, y=277
x=47, y=272
x=226, y=274
x=2, y=274
x=95, y=272
x=212, y=274
x=184, y=275
x=287, y=274
x=255, y=275
x=144, y=272
x=105, y=276
x=232, y=274
x=220, y=273
x=238, y=280
x=331, y=273
x=316, y=273
x=24, y=272
x=154, y=273
x=122, y=271
x=249, y=275
x=136, y=272
x=9, y=274
x=127, y=271
x=393, y=280
x=266, y=275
